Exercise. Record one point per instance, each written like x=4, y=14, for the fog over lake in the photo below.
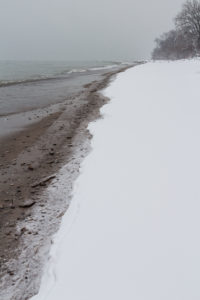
x=84, y=29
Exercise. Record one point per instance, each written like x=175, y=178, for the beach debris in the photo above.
x=44, y=181
x=12, y=204
x=61, y=215
x=51, y=152
x=51, y=162
x=23, y=230
x=27, y=204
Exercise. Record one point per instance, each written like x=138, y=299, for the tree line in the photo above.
x=184, y=40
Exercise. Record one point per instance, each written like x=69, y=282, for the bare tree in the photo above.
x=184, y=40
x=188, y=22
x=173, y=45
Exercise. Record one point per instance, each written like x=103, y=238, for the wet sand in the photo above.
x=31, y=202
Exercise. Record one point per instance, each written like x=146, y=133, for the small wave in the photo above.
x=4, y=83
x=126, y=63
x=77, y=71
x=57, y=75
x=103, y=68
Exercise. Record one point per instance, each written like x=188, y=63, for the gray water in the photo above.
x=30, y=85
x=23, y=71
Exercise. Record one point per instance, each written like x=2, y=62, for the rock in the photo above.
x=23, y=230
x=30, y=167
x=11, y=273
x=8, y=232
x=50, y=162
x=18, y=190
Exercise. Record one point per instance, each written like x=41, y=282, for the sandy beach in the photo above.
x=35, y=145
x=99, y=150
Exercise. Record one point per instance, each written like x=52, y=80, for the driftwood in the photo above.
x=27, y=204
x=43, y=182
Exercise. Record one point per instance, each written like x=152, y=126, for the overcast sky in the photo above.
x=83, y=29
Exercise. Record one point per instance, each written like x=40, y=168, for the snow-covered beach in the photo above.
x=131, y=231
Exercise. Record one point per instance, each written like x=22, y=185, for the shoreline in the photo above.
x=29, y=213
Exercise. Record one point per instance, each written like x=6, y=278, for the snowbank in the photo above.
x=132, y=230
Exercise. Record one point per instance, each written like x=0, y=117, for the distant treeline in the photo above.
x=184, y=40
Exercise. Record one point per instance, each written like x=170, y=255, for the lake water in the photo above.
x=29, y=85
x=23, y=71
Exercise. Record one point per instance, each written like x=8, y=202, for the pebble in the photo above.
x=30, y=167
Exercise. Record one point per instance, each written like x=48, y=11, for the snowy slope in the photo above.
x=132, y=231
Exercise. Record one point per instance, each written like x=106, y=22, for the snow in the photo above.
x=132, y=230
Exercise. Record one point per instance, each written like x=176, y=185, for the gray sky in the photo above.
x=83, y=29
